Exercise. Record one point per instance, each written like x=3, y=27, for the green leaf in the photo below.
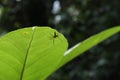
x=30, y=53
x=85, y=45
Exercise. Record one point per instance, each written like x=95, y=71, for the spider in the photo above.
x=54, y=36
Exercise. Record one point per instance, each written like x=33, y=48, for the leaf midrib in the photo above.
x=26, y=56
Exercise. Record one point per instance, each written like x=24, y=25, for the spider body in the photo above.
x=55, y=35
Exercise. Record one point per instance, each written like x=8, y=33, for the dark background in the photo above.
x=77, y=20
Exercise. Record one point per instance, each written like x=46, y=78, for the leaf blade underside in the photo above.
x=29, y=53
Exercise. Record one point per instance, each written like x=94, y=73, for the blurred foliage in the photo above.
x=18, y=13
x=77, y=19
